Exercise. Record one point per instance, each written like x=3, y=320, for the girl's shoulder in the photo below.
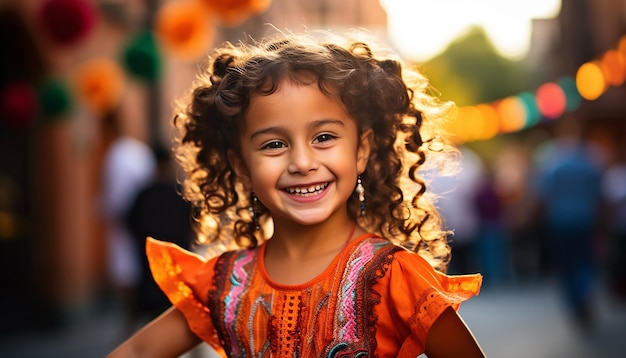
x=396, y=266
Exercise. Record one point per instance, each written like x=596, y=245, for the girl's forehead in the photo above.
x=271, y=85
x=307, y=90
x=294, y=102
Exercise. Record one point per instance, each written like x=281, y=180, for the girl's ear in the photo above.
x=240, y=169
x=363, y=151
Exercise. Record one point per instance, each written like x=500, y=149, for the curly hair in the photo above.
x=381, y=94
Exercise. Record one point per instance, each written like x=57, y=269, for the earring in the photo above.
x=254, y=202
x=361, y=192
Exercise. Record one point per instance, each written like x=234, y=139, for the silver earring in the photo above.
x=254, y=202
x=361, y=192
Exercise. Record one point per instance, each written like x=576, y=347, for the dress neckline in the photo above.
x=331, y=268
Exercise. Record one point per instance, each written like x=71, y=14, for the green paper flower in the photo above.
x=141, y=57
x=54, y=99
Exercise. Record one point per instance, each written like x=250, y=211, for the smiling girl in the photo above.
x=297, y=150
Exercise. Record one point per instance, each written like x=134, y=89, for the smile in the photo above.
x=307, y=191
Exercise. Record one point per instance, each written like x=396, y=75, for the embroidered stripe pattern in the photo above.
x=347, y=299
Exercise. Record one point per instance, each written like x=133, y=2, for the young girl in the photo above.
x=295, y=148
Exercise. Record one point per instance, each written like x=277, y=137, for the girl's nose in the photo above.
x=302, y=160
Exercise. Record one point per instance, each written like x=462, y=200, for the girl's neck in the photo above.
x=307, y=252
x=297, y=240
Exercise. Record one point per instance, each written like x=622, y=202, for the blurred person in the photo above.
x=158, y=210
x=128, y=166
x=456, y=204
x=614, y=190
x=510, y=170
x=300, y=132
x=492, y=242
x=570, y=175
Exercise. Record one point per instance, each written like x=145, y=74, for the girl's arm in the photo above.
x=166, y=336
x=450, y=337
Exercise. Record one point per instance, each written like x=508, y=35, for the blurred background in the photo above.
x=86, y=92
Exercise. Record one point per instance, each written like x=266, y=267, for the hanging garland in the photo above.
x=184, y=29
x=547, y=103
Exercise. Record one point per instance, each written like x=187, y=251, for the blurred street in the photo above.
x=522, y=321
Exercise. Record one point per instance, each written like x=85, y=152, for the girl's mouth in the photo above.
x=307, y=190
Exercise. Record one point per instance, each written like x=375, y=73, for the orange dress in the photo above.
x=374, y=299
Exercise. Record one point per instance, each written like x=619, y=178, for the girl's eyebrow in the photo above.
x=313, y=125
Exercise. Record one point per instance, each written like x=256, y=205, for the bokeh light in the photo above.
x=512, y=113
x=533, y=116
x=614, y=67
x=590, y=81
x=572, y=96
x=550, y=100
x=490, y=120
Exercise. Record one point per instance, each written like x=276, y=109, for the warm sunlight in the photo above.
x=422, y=29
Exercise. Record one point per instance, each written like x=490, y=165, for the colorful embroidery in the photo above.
x=344, y=320
x=232, y=304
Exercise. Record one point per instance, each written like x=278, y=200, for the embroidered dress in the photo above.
x=374, y=299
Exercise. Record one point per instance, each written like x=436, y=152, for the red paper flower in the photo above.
x=67, y=21
x=18, y=105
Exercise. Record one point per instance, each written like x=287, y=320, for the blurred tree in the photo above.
x=471, y=71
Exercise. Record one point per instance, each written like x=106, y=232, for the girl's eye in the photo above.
x=324, y=138
x=275, y=144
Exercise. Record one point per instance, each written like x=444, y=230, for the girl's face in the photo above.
x=302, y=153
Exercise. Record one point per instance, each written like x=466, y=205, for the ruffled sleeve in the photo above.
x=414, y=295
x=185, y=278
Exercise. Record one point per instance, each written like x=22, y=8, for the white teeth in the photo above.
x=305, y=191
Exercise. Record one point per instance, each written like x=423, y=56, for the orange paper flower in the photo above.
x=100, y=83
x=233, y=12
x=184, y=29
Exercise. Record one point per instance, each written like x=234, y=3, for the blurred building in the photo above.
x=583, y=32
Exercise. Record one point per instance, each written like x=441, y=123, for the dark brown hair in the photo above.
x=379, y=93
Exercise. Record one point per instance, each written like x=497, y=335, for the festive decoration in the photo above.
x=55, y=100
x=18, y=105
x=511, y=113
x=613, y=65
x=67, y=22
x=141, y=57
x=550, y=101
x=572, y=96
x=533, y=116
x=233, y=12
x=100, y=83
x=184, y=29
x=590, y=81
